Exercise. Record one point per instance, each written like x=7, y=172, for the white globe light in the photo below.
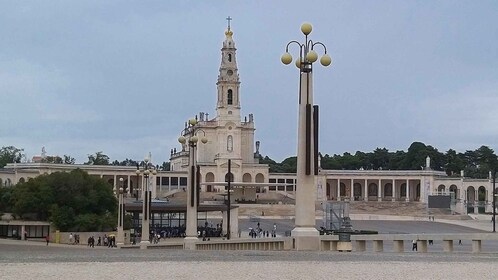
x=182, y=140
x=204, y=140
x=306, y=28
x=194, y=139
x=286, y=58
x=326, y=60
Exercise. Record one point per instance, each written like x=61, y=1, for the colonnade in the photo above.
x=379, y=189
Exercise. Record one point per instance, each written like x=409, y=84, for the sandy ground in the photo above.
x=248, y=270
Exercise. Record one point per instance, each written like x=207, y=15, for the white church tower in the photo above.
x=229, y=135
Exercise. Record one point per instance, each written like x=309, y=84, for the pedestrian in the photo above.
x=460, y=242
x=431, y=242
x=414, y=245
x=71, y=241
x=47, y=239
x=99, y=241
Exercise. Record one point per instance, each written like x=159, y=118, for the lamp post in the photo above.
x=189, y=137
x=121, y=211
x=305, y=234
x=229, y=201
x=146, y=171
x=494, y=200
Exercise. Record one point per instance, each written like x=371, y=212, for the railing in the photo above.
x=332, y=243
x=270, y=244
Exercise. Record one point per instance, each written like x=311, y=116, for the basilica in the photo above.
x=231, y=136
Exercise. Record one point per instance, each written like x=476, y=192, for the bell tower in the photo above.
x=228, y=84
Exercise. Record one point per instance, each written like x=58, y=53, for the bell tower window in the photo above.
x=230, y=143
x=229, y=57
x=230, y=97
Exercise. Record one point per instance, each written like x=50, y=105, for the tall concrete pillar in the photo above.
x=191, y=237
x=305, y=235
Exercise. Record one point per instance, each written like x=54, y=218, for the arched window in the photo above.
x=229, y=57
x=230, y=97
x=230, y=143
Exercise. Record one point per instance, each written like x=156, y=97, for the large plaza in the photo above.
x=32, y=260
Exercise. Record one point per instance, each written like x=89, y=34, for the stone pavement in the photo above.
x=25, y=260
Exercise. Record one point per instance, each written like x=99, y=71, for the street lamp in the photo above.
x=121, y=211
x=189, y=137
x=305, y=233
x=494, y=200
x=146, y=171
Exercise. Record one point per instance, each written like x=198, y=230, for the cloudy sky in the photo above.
x=121, y=77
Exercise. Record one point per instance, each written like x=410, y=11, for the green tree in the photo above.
x=99, y=158
x=454, y=163
x=289, y=165
x=5, y=200
x=10, y=154
x=53, y=159
x=71, y=201
x=487, y=161
x=165, y=166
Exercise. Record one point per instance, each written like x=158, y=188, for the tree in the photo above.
x=10, y=154
x=454, y=163
x=5, y=200
x=70, y=200
x=487, y=161
x=165, y=166
x=289, y=165
x=53, y=159
x=99, y=158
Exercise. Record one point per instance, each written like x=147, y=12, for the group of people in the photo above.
x=109, y=241
x=74, y=239
x=259, y=232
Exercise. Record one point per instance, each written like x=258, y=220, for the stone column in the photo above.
x=352, y=190
x=115, y=183
x=407, y=190
x=128, y=185
x=366, y=190
x=378, y=245
x=338, y=189
x=379, y=191
x=448, y=246
x=394, y=190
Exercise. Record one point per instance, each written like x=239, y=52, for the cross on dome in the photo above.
x=229, y=32
x=229, y=19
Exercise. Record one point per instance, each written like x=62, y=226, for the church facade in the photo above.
x=231, y=137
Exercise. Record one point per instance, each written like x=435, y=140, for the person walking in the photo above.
x=414, y=245
x=47, y=239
